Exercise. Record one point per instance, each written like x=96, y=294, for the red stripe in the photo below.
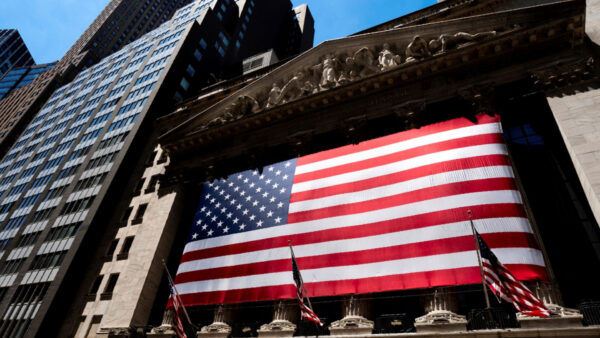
x=398, y=137
x=363, y=230
x=426, y=248
x=366, y=285
x=445, y=190
x=400, y=156
x=410, y=174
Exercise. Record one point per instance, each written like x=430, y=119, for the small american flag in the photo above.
x=305, y=311
x=177, y=308
x=506, y=287
x=386, y=214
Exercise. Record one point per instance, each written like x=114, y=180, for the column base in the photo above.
x=561, y=317
x=163, y=331
x=351, y=325
x=215, y=330
x=277, y=328
x=441, y=321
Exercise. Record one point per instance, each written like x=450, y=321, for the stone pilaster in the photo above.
x=561, y=317
x=219, y=327
x=281, y=326
x=441, y=316
x=354, y=321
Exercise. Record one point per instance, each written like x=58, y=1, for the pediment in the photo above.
x=337, y=64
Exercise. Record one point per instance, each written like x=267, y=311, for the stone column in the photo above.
x=219, y=328
x=441, y=307
x=281, y=326
x=354, y=309
x=165, y=330
x=561, y=317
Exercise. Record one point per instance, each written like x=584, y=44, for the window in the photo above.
x=96, y=285
x=203, y=43
x=138, y=187
x=219, y=16
x=110, y=286
x=139, y=215
x=184, y=84
x=198, y=55
x=191, y=71
x=152, y=184
x=125, y=216
x=111, y=249
x=125, y=248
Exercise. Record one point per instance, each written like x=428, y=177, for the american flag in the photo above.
x=177, y=308
x=305, y=311
x=386, y=214
x=506, y=287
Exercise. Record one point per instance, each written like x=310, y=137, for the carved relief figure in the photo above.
x=293, y=89
x=387, y=59
x=274, y=96
x=329, y=72
x=417, y=49
x=447, y=41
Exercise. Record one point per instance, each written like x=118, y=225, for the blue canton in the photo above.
x=244, y=201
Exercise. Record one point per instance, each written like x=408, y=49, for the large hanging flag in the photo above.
x=386, y=214
x=506, y=287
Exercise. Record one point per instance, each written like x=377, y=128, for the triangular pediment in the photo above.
x=337, y=64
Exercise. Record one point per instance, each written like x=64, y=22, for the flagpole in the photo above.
x=485, y=292
x=187, y=316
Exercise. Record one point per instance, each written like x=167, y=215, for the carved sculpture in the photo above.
x=447, y=41
x=243, y=105
x=329, y=72
x=293, y=89
x=417, y=49
x=274, y=96
x=387, y=59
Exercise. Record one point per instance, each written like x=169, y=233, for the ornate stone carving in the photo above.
x=329, y=68
x=440, y=317
x=354, y=321
x=281, y=326
x=219, y=328
x=387, y=59
x=361, y=64
x=560, y=316
x=243, y=105
x=447, y=41
x=166, y=328
x=417, y=49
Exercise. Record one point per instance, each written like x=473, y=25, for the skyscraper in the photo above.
x=121, y=22
x=21, y=76
x=62, y=179
x=13, y=51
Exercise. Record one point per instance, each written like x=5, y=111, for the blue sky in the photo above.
x=50, y=27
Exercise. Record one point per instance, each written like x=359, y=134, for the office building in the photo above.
x=67, y=172
x=21, y=76
x=528, y=63
x=121, y=22
x=13, y=51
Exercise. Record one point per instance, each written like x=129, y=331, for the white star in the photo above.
x=203, y=208
x=210, y=232
x=275, y=186
x=270, y=214
x=214, y=218
x=242, y=226
x=280, y=204
x=252, y=217
x=249, y=198
x=278, y=219
x=265, y=194
x=218, y=204
x=207, y=196
x=245, y=212
x=246, y=180
x=236, y=220
x=278, y=172
x=236, y=189
x=204, y=227
x=259, y=189
x=255, y=203
x=225, y=230
x=259, y=224
x=194, y=236
x=252, y=185
x=212, y=201
x=271, y=168
x=238, y=207
x=227, y=197
x=199, y=221
x=261, y=177
x=229, y=215
x=222, y=192
x=285, y=177
x=255, y=172
x=232, y=202
x=272, y=199
x=208, y=213
x=216, y=188
x=262, y=208
x=240, y=176
x=210, y=184
x=242, y=193
x=220, y=224
x=282, y=190
x=287, y=164
x=268, y=181
x=230, y=184
x=223, y=210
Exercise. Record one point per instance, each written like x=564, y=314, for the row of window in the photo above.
x=42, y=215
x=113, y=140
x=141, y=90
x=156, y=63
x=123, y=122
x=102, y=160
x=148, y=76
x=64, y=231
x=90, y=182
x=131, y=106
x=76, y=206
x=164, y=48
x=66, y=172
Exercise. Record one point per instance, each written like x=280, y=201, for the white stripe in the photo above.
x=404, y=187
x=406, y=210
x=480, y=129
x=379, y=269
x=395, y=167
x=359, y=244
